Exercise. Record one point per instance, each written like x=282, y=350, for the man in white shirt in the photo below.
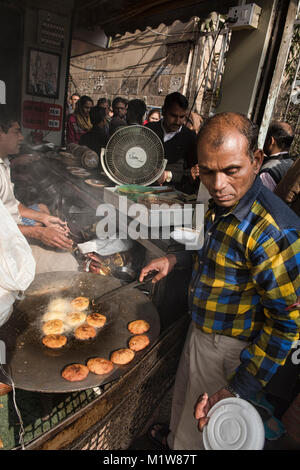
x=49, y=232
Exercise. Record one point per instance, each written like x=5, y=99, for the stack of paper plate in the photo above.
x=234, y=424
x=185, y=234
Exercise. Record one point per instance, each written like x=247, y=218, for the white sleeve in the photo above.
x=17, y=265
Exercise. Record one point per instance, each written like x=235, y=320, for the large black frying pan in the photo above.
x=36, y=368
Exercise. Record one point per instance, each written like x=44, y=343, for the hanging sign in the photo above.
x=43, y=116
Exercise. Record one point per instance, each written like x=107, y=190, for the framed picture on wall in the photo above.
x=43, y=74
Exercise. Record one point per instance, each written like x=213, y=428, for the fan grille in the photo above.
x=134, y=155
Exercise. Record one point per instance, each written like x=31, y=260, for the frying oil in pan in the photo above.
x=61, y=309
x=38, y=368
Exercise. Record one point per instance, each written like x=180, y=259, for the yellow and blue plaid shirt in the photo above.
x=245, y=276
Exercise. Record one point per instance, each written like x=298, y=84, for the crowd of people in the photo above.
x=118, y=112
x=177, y=128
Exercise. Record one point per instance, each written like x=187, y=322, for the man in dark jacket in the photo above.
x=277, y=160
x=136, y=112
x=179, y=142
x=119, y=106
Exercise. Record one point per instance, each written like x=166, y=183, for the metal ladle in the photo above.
x=108, y=295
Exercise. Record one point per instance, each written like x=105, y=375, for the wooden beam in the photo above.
x=279, y=69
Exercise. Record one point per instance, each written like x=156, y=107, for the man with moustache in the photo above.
x=119, y=106
x=178, y=141
x=245, y=282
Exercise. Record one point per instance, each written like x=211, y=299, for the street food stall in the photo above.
x=108, y=411
x=129, y=393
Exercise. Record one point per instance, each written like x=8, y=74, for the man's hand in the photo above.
x=166, y=175
x=205, y=403
x=163, y=265
x=43, y=217
x=55, y=222
x=52, y=237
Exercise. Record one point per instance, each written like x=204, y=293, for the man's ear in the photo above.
x=258, y=157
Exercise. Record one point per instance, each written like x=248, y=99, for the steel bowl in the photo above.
x=124, y=273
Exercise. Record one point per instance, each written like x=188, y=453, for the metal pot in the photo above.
x=124, y=273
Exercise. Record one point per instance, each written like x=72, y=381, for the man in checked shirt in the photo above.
x=245, y=277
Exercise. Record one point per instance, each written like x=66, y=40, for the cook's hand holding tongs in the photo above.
x=108, y=295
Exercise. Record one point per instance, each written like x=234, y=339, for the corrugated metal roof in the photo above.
x=121, y=16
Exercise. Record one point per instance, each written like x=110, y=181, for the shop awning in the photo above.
x=121, y=16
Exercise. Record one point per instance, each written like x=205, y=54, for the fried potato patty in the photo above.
x=138, y=327
x=99, y=365
x=80, y=303
x=85, y=331
x=53, y=327
x=138, y=342
x=122, y=356
x=54, y=341
x=96, y=319
x=75, y=372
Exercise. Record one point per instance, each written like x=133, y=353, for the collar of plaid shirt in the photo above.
x=242, y=208
x=234, y=289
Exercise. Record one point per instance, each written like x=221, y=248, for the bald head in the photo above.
x=279, y=138
x=228, y=158
x=285, y=126
x=216, y=129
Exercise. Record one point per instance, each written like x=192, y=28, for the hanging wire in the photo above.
x=158, y=33
x=220, y=67
x=22, y=430
x=205, y=75
x=118, y=70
